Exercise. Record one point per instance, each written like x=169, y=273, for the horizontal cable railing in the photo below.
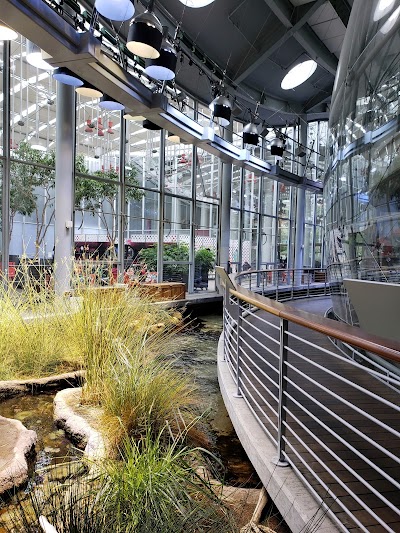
x=285, y=283
x=333, y=419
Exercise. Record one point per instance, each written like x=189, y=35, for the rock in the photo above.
x=11, y=388
x=17, y=443
x=78, y=426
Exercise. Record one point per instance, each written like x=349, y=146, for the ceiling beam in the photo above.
x=275, y=43
x=320, y=98
x=315, y=48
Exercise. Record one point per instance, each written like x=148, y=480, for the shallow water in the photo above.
x=196, y=352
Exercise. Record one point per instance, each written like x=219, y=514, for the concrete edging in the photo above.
x=16, y=469
x=76, y=425
x=14, y=387
x=296, y=505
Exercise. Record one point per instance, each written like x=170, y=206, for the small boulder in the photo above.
x=16, y=445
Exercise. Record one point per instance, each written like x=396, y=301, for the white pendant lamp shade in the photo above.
x=163, y=68
x=7, y=33
x=34, y=57
x=250, y=134
x=106, y=102
x=173, y=137
x=197, y=3
x=299, y=74
x=115, y=9
x=222, y=109
x=135, y=118
x=145, y=36
x=89, y=90
x=64, y=75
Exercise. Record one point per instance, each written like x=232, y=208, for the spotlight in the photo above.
x=250, y=134
x=145, y=35
x=163, y=68
x=89, y=90
x=277, y=146
x=116, y=9
x=106, y=102
x=221, y=108
x=64, y=75
x=34, y=57
x=148, y=125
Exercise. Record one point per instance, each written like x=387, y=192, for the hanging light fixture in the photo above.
x=115, y=9
x=196, y=3
x=163, y=68
x=7, y=33
x=148, y=125
x=64, y=75
x=34, y=57
x=106, y=102
x=250, y=134
x=145, y=35
x=173, y=137
x=222, y=109
x=277, y=146
x=89, y=90
x=136, y=118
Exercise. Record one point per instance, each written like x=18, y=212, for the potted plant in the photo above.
x=204, y=262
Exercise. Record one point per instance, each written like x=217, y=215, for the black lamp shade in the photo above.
x=277, y=150
x=277, y=147
x=145, y=36
x=222, y=111
x=250, y=138
x=163, y=68
x=148, y=125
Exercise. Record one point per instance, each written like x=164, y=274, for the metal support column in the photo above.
x=280, y=460
x=5, y=241
x=161, y=178
x=121, y=201
x=224, y=233
x=192, y=234
x=64, y=187
x=300, y=209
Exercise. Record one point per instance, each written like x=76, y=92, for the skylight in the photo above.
x=299, y=74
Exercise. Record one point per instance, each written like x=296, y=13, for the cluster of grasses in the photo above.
x=150, y=480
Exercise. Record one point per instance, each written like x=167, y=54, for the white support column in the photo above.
x=64, y=188
x=225, y=207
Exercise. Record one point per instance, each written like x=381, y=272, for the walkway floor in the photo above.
x=316, y=438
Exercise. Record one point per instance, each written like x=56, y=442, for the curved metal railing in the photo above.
x=335, y=421
x=285, y=283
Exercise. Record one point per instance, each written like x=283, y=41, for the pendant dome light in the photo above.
x=145, y=35
x=250, y=134
x=222, y=109
x=163, y=68
x=299, y=74
x=89, y=90
x=277, y=146
x=7, y=33
x=173, y=137
x=197, y=3
x=64, y=75
x=115, y=9
x=106, y=102
x=148, y=125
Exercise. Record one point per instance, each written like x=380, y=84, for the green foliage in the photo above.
x=205, y=259
x=98, y=197
x=30, y=181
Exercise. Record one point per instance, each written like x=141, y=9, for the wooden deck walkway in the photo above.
x=308, y=436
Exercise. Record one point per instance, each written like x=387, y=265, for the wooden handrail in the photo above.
x=386, y=348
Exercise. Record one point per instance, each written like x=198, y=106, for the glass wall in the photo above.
x=136, y=190
x=362, y=193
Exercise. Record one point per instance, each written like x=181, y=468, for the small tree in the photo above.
x=28, y=184
x=99, y=197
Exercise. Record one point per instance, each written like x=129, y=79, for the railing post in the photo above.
x=238, y=394
x=280, y=460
